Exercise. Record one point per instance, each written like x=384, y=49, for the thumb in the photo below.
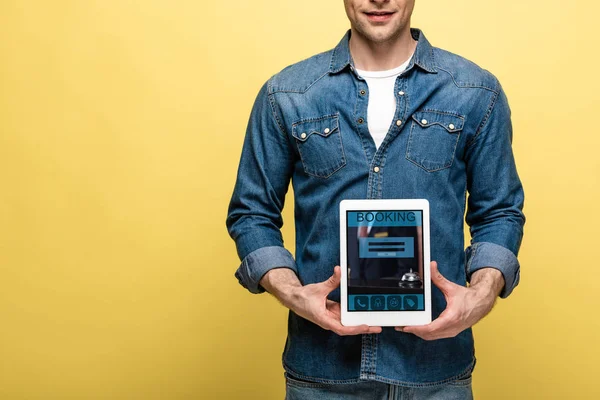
x=333, y=282
x=438, y=279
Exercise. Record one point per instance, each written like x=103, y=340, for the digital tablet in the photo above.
x=384, y=256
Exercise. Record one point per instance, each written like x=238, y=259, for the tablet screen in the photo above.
x=385, y=260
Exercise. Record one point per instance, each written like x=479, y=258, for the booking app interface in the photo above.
x=385, y=260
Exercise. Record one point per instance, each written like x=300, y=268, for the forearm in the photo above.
x=487, y=283
x=282, y=284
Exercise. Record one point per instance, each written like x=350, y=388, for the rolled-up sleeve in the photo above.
x=484, y=255
x=496, y=197
x=256, y=264
x=254, y=218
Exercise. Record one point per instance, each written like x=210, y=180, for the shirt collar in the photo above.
x=423, y=56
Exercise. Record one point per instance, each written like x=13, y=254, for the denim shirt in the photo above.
x=451, y=135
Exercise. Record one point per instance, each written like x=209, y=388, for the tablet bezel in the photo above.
x=384, y=318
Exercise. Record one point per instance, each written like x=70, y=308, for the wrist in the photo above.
x=487, y=283
x=288, y=295
x=484, y=292
x=283, y=284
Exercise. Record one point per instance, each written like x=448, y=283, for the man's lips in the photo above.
x=379, y=16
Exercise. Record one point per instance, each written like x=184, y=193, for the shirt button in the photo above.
x=424, y=121
x=360, y=120
x=399, y=122
x=363, y=92
x=451, y=126
x=401, y=93
x=326, y=131
x=376, y=169
x=303, y=135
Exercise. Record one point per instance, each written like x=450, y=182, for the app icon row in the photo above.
x=379, y=303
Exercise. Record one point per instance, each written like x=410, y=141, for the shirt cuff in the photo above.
x=485, y=255
x=256, y=264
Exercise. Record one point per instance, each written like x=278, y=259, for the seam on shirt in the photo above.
x=434, y=65
x=299, y=91
x=316, y=119
x=484, y=120
x=467, y=85
x=451, y=113
x=362, y=138
x=383, y=171
x=272, y=104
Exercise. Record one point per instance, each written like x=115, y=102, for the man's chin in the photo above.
x=379, y=34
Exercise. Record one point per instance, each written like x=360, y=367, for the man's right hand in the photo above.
x=310, y=301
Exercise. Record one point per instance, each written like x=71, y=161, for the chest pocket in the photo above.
x=433, y=139
x=320, y=145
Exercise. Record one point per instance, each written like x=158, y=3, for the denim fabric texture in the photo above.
x=451, y=135
x=460, y=389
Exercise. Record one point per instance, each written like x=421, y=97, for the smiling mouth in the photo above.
x=379, y=16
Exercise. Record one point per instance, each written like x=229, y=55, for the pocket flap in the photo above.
x=450, y=121
x=323, y=126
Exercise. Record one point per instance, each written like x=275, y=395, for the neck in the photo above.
x=371, y=56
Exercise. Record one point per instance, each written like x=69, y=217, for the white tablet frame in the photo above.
x=385, y=318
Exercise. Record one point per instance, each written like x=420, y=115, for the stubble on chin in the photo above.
x=378, y=35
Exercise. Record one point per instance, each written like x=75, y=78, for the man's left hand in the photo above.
x=465, y=305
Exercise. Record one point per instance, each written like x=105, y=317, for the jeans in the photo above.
x=372, y=390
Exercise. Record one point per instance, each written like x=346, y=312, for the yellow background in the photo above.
x=121, y=125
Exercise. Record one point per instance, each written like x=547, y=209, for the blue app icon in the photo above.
x=377, y=302
x=411, y=303
x=394, y=302
x=361, y=303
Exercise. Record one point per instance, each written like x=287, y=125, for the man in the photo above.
x=383, y=115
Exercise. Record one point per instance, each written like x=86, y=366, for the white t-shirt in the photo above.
x=382, y=100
